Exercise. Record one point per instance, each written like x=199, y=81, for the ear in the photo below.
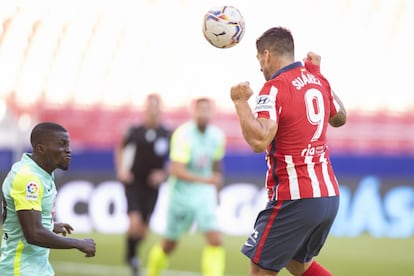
x=267, y=55
x=40, y=148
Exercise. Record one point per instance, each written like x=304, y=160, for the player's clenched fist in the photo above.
x=241, y=92
x=312, y=62
x=87, y=246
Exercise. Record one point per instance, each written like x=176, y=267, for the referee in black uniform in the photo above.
x=140, y=160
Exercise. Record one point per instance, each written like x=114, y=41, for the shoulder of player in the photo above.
x=215, y=128
x=284, y=79
x=25, y=175
x=216, y=131
x=274, y=85
x=138, y=128
x=296, y=79
x=164, y=130
x=182, y=129
x=132, y=130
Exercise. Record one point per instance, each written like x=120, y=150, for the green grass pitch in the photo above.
x=361, y=256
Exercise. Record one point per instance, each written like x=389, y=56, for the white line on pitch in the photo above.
x=102, y=270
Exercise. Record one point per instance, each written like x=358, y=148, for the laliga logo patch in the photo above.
x=32, y=191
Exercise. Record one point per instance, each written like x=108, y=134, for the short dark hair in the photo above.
x=278, y=40
x=42, y=130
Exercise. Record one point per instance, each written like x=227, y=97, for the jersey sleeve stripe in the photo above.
x=273, y=94
x=266, y=105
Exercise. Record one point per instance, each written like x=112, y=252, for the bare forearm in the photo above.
x=340, y=118
x=188, y=176
x=253, y=130
x=118, y=157
x=45, y=238
x=180, y=171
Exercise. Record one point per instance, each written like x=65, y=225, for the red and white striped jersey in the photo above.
x=298, y=162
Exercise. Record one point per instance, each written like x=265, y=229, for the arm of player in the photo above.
x=339, y=119
x=218, y=173
x=312, y=63
x=157, y=177
x=122, y=173
x=36, y=234
x=62, y=228
x=180, y=171
x=258, y=133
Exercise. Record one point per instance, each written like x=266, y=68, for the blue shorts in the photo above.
x=290, y=230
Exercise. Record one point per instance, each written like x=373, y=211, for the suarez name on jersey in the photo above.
x=298, y=161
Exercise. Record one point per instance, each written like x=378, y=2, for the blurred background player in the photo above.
x=197, y=149
x=290, y=120
x=28, y=196
x=140, y=160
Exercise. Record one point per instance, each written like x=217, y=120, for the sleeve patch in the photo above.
x=32, y=191
x=264, y=103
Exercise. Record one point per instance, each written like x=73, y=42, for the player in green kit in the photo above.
x=196, y=151
x=28, y=195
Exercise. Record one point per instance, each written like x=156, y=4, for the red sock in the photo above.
x=315, y=269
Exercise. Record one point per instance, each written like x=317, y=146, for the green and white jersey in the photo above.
x=26, y=187
x=197, y=150
x=191, y=202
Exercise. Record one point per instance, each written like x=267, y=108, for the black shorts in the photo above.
x=141, y=199
x=290, y=230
